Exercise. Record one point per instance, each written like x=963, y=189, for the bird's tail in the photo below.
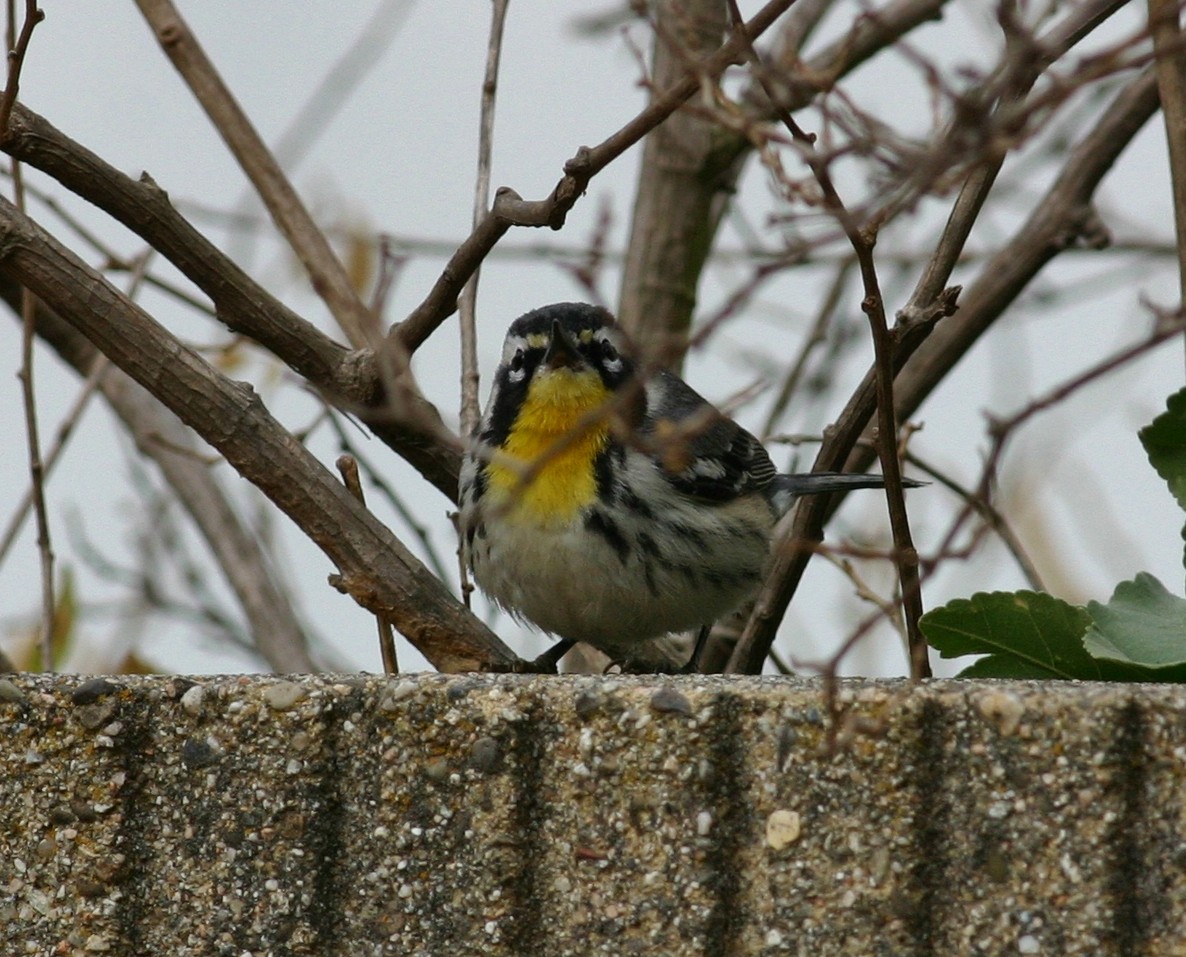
x=784, y=489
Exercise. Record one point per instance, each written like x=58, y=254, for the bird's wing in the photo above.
x=702, y=452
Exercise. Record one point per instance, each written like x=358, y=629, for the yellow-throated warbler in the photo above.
x=610, y=510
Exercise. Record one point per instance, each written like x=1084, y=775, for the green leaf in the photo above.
x=1143, y=624
x=1032, y=635
x=1164, y=440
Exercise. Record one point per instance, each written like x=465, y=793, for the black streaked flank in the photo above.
x=731, y=578
x=679, y=530
x=605, y=526
x=628, y=497
x=648, y=573
x=649, y=545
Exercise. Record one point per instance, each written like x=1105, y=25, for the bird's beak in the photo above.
x=563, y=352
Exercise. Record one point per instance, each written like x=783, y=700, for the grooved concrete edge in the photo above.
x=577, y=815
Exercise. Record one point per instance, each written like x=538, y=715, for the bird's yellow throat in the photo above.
x=545, y=431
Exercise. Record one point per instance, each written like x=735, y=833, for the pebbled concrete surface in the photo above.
x=427, y=815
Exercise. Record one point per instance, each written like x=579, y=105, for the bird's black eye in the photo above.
x=516, y=368
x=608, y=352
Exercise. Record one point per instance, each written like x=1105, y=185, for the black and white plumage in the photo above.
x=613, y=511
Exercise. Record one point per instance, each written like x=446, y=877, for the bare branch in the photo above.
x=1169, y=42
x=993, y=519
x=376, y=569
x=16, y=60
x=412, y=427
x=816, y=337
x=61, y=439
x=1062, y=218
x=861, y=237
x=670, y=240
x=674, y=200
x=975, y=189
x=348, y=469
x=512, y=210
x=45, y=550
x=1002, y=430
x=288, y=212
x=1052, y=228
x=470, y=411
x=37, y=471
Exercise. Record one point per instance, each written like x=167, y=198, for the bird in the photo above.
x=608, y=503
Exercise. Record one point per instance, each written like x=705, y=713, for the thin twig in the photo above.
x=391, y=264
x=275, y=632
x=994, y=520
x=816, y=337
x=862, y=239
x=384, y=488
x=469, y=294
x=1052, y=228
x=887, y=608
x=37, y=478
x=64, y=431
x=512, y=210
x=1166, y=327
x=325, y=271
x=1002, y=430
x=36, y=469
x=237, y=550
x=16, y=58
x=348, y=469
x=28, y=332
x=979, y=182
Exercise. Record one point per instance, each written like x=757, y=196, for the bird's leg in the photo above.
x=546, y=663
x=693, y=665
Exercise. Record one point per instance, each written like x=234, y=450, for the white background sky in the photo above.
x=400, y=157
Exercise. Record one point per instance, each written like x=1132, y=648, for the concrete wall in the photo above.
x=661, y=816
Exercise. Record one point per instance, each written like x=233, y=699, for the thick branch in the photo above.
x=1168, y=38
x=670, y=233
x=375, y=567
